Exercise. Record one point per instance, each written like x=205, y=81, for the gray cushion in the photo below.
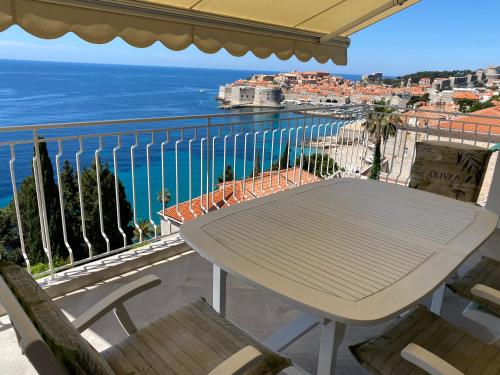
x=73, y=353
x=382, y=354
x=486, y=272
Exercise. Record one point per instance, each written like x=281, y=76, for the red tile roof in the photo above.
x=244, y=190
x=471, y=123
x=465, y=95
x=475, y=124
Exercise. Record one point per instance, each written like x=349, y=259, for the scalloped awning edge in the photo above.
x=101, y=24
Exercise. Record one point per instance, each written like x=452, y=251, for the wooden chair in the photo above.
x=450, y=169
x=486, y=272
x=457, y=171
x=191, y=340
x=423, y=342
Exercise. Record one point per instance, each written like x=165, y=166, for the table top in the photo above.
x=357, y=251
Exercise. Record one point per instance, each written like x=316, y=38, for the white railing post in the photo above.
x=42, y=208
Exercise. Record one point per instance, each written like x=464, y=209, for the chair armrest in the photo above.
x=428, y=361
x=115, y=301
x=237, y=361
x=487, y=293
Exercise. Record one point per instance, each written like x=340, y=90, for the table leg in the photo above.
x=437, y=300
x=219, y=290
x=332, y=334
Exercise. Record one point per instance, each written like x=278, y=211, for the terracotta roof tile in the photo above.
x=244, y=190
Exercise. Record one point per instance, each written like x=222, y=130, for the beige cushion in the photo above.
x=192, y=340
x=73, y=353
x=450, y=169
x=382, y=354
x=486, y=272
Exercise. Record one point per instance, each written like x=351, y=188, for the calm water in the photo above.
x=42, y=92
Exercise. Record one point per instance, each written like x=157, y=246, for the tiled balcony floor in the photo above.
x=188, y=277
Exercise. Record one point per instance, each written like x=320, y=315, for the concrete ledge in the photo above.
x=106, y=268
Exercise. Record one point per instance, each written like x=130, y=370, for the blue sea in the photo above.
x=47, y=92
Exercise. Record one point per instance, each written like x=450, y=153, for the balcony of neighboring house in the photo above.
x=96, y=205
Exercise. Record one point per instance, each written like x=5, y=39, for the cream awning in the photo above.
x=304, y=28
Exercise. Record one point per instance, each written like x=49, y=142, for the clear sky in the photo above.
x=431, y=35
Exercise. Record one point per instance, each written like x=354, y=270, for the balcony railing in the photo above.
x=119, y=184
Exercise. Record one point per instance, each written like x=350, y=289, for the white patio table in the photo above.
x=346, y=251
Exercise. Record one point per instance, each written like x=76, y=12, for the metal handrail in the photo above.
x=311, y=137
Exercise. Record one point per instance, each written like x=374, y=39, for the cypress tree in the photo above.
x=91, y=206
x=228, y=174
x=30, y=218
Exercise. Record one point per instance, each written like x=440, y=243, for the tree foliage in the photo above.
x=415, y=77
x=228, y=174
x=30, y=220
x=381, y=124
x=418, y=98
x=319, y=164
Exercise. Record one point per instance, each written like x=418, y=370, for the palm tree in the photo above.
x=381, y=123
x=167, y=197
x=144, y=231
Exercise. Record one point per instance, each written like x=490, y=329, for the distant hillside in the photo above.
x=415, y=77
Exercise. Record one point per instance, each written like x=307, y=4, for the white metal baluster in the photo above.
x=245, y=165
x=403, y=156
x=80, y=193
x=392, y=158
x=99, y=192
x=177, y=191
x=61, y=201
x=42, y=208
x=263, y=158
x=163, y=178
x=213, y=168
x=337, y=145
x=323, y=151
x=317, y=147
x=132, y=168
x=117, y=190
x=148, y=172
x=279, y=159
x=287, y=177
x=209, y=123
x=413, y=154
x=16, y=205
x=297, y=127
x=302, y=148
x=348, y=151
x=310, y=148
x=254, y=155
x=224, y=171
x=234, y=165
x=190, y=169
x=330, y=151
x=271, y=161
x=203, y=208
x=358, y=127
x=342, y=138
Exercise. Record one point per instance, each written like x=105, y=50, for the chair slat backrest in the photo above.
x=45, y=335
x=455, y=170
